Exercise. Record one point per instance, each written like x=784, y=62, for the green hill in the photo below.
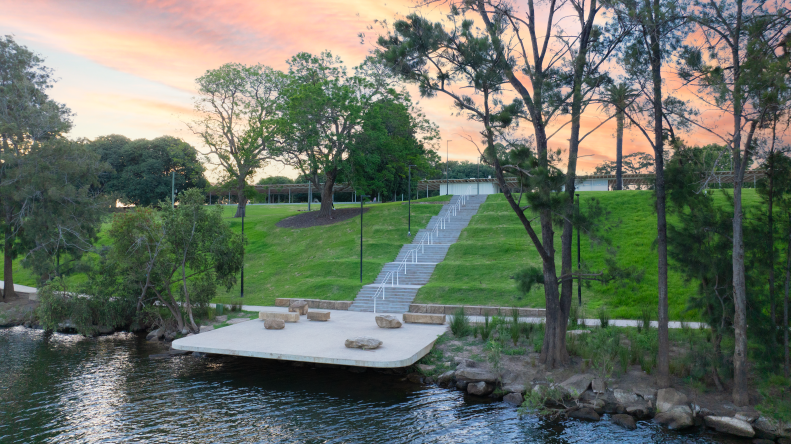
x=495, y=246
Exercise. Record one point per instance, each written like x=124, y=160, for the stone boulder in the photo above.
x=363, y=342
x=480, y=388
x=446, y=377
x=322, y=316
x=676, y=418
x=222, y=318
x=514, y=388
x=514, y=398
x=596, y=404
x=299, y=306
x=462, y=385
x=155, y=334
x=475, y=375
x=667, y=398
x=624, y=421
x=388, y=321
x=747, y=416
x=647, y=393
x=767, y=428
x=205, y=328
x=624, y=397
x=577, y=384
x=639, y=410
x=583, y=413
x=731, y=426
x=599, y=386
x=274, y=324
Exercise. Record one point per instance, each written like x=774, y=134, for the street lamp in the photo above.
x=409, y=230
x=362, y=199
x=447, y=171
x=579, y=256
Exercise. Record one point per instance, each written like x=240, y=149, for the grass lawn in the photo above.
x=495, y=246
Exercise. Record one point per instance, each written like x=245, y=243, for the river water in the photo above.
x=66, y=388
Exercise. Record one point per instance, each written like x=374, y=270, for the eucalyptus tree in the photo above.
x=438, y=57
x=619, y=96
x=237, y=106
x=27, y=117
x=740, y=67
x=323, y=114
x=659, y=29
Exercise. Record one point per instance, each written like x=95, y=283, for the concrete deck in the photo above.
x=319, y=342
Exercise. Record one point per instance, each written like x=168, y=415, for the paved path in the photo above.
x=398, y=295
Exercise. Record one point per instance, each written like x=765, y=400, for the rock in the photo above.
x=584, y=413
x=287, y=317
x=647, y=393
x=185, y=331
x=156, y=334
x=624, y=421
x=514, y=398
x=599, y=386
x=222, y=318
x=704, y=412
x=596, y=404
x=475, y=375
x=446, y=377
x=464, y=362
x=480, y=388
x=274, y=324
x=668, y=398
x=322, y=316
x=105, y=330
x=238, y=321
x=423, y=318
x=639, y=410
x=624, y=398
x=766, y=428
x=577, y=384
x=747, y=416
x=462, y=385
x=415, y=378
x=677, y=417
x=388, y=321
x=426, y=368
x=171, y=335
x=514, y=388
x=731, y=426
x=299, y=306
x=784, y=441
x=205, y=328
x=363, y=342
x=763, y=441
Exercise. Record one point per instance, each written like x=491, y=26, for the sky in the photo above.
x=129, y=67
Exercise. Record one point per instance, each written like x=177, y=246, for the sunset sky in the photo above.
x=129, y=67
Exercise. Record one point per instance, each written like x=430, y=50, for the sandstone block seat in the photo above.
x=274, y=324
x=285, y=317
x=424, y=318
x=318, y=316
x=300, y=307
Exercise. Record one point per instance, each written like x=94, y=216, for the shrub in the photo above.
x=460, y=324
x=486, y=328
x=644, y=323
x=604, y=317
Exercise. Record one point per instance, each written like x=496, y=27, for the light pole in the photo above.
x=579, y=256
x=447, y=171
x=362, y=198
x=244, y=210
x=409, y=230
x=478, y=177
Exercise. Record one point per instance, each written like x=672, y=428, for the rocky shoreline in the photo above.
x=624, y=401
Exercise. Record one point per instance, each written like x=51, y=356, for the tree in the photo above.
x=273, y=180
x=27, y=116
x=742, y=76
x=619, y=96
x=634, y=163
x=143, y=169
x=323, y=114
x=436, y=58
x=179, y=254
x=238, y=106
x=64, y=213
x=659, y=31
x=462, y=170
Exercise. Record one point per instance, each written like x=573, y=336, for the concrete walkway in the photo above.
x=318, y=342
x=399, y=294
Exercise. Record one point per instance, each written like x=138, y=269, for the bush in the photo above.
x=604, y=317
x=486, y=328
x=460, y=324
x=644, y=323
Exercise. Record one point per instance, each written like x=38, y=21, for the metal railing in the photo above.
x=392, y=276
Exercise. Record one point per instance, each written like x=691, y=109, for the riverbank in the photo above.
x=597, y=385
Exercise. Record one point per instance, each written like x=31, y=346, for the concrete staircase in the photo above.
x=398, y=295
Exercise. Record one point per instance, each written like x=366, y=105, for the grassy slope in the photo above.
x=319, y=262
x=495, y=246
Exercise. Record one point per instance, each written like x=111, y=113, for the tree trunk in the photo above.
x=772, y=305
x=619, y=151
x=240, y=197
x=8, y=262
x=787, y=364
x=740, y=397
x=663, y=353
x=325, y=212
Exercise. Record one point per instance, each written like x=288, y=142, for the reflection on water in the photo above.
x=72, y=389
